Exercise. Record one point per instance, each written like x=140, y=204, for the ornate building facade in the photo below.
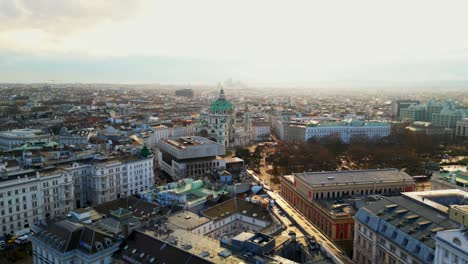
x=222, y=126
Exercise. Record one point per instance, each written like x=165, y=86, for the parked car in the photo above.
x=22, y=240
x=2, y=245
x=12, y=239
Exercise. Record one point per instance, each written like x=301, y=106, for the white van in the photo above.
x=22, y=240
x=23, y=232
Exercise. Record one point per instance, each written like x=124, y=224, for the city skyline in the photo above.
x=217, y=131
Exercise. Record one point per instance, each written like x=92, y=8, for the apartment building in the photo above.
x=108, y=179
x=28, y=196
x=412, y=228
x=260, y=131
x=452, y=246
x=398, y=105
x=461, y=129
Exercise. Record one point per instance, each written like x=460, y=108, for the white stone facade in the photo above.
x=346, y=133
x=451, y=247
x=14, y=138
x=260, y=132
x=221, y=125
x=33, y=197
x=111, y=180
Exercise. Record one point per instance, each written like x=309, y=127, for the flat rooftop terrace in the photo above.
x=352, y=177
x=185, y=142
x=187, y=220
x=440, y=199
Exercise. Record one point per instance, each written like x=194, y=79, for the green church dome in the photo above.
x=221, y=105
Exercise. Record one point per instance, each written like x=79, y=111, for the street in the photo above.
x=306, y=227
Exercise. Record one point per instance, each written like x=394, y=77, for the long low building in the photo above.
x=319, y=194
x=14, y=138
x=345, y=130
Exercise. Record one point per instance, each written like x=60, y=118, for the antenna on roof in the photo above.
x=163, y=246
x=235, y=196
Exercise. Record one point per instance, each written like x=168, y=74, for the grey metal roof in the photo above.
x=407, y=223
x=354, y=176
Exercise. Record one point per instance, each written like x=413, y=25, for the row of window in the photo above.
x=17, y=191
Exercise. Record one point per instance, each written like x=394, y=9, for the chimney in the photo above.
x=125, y=230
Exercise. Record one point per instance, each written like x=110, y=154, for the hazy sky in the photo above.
x=205, y=41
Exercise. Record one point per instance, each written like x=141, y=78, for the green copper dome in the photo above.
x=221, y=105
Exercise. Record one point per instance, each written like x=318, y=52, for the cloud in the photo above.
x=285, y=41
x=61, y=16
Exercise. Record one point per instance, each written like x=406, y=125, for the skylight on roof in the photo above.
x=436, y=229
x=400, y=211
x=424, y=222
x=412, y=216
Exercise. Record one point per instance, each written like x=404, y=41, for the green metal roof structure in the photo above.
x=221, y=105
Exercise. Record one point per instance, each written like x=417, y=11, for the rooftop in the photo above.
x=235, y=205
x=410, y=217
x=440, y=199
x=347, y=123
x=147, y=249
x=191, y=147
x=353, y=177
x=25, y=132
x=244, y=236
x=187, y=220
x=337, y=209
x=136, y=206
x=221, y=105
x=461, y=177
x=22, y=174
x=186, y=142
x=67, y=236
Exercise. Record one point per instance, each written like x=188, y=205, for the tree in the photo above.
x=243, y=154
x=145, y=152
x=256, y=157
x=39, y=108
x=334, y=144
x=203, y=133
